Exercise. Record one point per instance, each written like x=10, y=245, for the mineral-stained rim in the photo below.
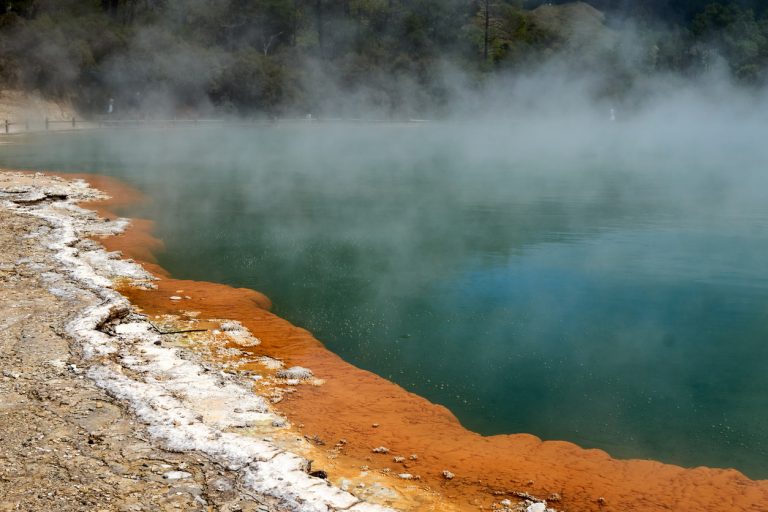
x=130, y=363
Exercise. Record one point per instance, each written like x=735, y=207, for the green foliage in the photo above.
x=517, y=37
x=282, y=56
x=738, y=36
x=254, y=82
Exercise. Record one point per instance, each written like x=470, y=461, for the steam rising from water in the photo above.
x=529, y=263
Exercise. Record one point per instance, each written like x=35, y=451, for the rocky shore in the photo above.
x=103, y=409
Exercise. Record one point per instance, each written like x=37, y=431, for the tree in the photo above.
x=737, y=36
x=487, y=25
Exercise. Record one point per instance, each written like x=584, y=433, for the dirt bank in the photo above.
x=19, y=106
x=355, y=412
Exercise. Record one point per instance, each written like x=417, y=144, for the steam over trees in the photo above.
x=274, y=56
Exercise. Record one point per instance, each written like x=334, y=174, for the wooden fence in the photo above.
x=47, y=124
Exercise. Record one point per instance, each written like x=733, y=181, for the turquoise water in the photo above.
x=609, y=289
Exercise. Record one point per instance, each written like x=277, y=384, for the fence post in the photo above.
x=46, y=123
x=7, y=126
x=73, y=122
x=26, y=124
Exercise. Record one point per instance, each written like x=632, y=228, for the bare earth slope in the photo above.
x=19, y=106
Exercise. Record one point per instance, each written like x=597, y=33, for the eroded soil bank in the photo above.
x=354, y=412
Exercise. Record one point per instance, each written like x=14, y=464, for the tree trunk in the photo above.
x=487, y=27
x=319, y=16
x=294, y=22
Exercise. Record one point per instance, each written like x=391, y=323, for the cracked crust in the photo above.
x=74, y=355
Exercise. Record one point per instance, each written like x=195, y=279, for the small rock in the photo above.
x=222, y=485
x=537, y=507
x=398, y=459
x=295, y=373
x=380, y=449
x=174, y=297
x=448, y=475
x=315, y=439
x=231, y=325
x=405, y=476
x=505, y=503
x=375, y=425
x=554, y=497
x=177, y=475
x=272, y=364
x=414, y=457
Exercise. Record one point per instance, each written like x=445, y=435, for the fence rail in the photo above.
x=47, y=124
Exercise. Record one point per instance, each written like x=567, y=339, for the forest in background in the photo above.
x=390, y=58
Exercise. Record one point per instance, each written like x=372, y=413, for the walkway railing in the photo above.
x=47, y=124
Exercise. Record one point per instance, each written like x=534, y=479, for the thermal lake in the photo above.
x=607, y=286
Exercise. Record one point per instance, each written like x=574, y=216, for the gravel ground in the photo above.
x=65, y=445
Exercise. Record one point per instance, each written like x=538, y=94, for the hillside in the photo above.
x=668, y=11
x=19, y=106
x=580, y=26
x=342, y=58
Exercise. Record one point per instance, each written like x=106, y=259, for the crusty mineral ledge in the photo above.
x=96, y=412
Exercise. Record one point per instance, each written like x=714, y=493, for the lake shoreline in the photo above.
x=230, y=448
x=368, y=411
